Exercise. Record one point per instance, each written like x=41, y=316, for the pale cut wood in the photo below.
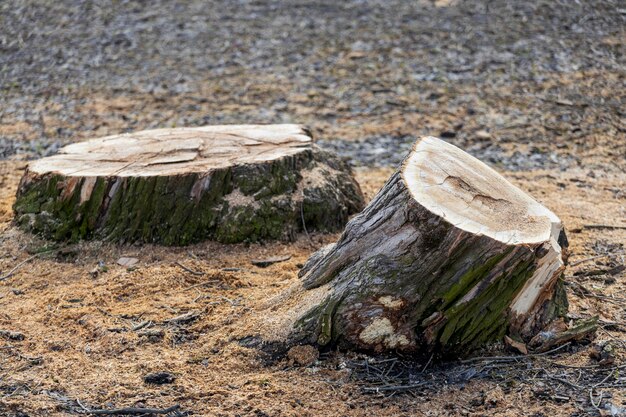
x=176, y=186
x=448, y=256
x=176, y=151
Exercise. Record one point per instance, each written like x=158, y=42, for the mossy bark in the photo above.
x=244, y=202
x=401, y=278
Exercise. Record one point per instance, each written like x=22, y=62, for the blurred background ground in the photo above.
x=536, y=89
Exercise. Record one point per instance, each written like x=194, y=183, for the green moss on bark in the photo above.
x=461, y=325
x=182, y=209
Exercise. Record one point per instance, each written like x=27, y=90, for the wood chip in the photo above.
x=127, y=262
x=559, y=333
x=515, y=345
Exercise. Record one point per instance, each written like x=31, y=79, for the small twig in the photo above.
x=593, y=258
x=514, y=358
x=428, y=363
x=202, y=284
x=620, y=341
x=378, y=362
x=566, y=382
x=191, y=271
x=81, y=405
x=232, y=303
x=586, y=292
x=183, y=318
x=593, y=403
x=25, y=261
x=595, y=272
x=390, y=368
x=606, y=378
x=377, y=369
x=562, y=365
x=393, y=387
x=141, y=325
x=34, y=360
x=134, y=411
x=200, y=297
x=560, y=397
x=603, y=226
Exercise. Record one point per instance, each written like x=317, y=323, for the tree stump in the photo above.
x=447, y=256
x=178, y=186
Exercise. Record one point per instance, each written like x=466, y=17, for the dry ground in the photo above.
x=80, y=344
x=536, y=88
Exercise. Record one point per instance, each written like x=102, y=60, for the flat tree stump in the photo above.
x=447, y=257
x=178, y=186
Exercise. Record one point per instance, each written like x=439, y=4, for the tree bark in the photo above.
x=178, y=186
x=447, y=257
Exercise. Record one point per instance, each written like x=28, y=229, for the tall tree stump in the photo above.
x=448, y=256
x=177, y=186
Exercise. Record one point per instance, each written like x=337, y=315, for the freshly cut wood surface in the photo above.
x=447, y=257
x=176, y=151
x=176, y=186
x=473, y=197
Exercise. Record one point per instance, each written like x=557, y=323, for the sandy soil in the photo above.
x=534, y=88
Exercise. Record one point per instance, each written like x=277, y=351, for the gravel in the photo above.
x=541, y=78
x=375, y=151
